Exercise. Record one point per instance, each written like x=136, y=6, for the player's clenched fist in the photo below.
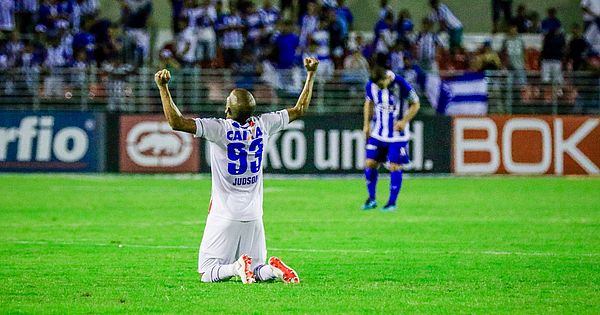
x=162, y=78
x=311, y=64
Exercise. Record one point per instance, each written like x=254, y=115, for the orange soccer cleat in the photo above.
x=283, y=272
x=243, y=269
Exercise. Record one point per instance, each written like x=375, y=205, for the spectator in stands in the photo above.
x=396, y=58
x=7, y=17
x=109, y=41
x=487, y=59
x=448, y=21
x=427, y=45
x=513, y=49
x=176, y=13
x=231, y=39
x=57, y=58
x=553, y=51
x=202, y=18
x=321, y=39
x=310, y=23
x=80, y=68
x=578, y=49
x=591, y=26
x=361, y=45
x=192, y=11
x=254, y=27
x=345, y=13
x=118, y=71
x=30, y=57
x=404, y=27
x=385, y=9
x=504, y=8
x=270, y=15
x=551, y=22
x=13, y=48
x=384, y=38
x=186, y=44
x=25, y=15
x=522, y=20
x=135, y=15
x=85, y=40
x=337, y=40
x=535, y=26
x=29, y=63
x=412, y=73
x=356, y=67
x=286, y=46
x=66, y=39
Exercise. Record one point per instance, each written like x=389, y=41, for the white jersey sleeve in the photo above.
x=211, y=129
x=275, y=122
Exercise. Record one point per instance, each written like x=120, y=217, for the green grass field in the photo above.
x=98, y=244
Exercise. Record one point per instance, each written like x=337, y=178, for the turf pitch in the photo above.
x=94, y=244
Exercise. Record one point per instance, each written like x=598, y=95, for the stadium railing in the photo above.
x=204, y=90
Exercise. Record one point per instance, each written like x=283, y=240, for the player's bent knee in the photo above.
x=205, y=277
x=395, y=167
x=371, y=164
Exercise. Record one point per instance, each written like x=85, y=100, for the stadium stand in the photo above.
x=63, y=54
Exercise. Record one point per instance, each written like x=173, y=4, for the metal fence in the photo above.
x=122, y=88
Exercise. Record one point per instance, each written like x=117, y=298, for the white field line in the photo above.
x=200, y=176
x=405, y=220
x=306, y=250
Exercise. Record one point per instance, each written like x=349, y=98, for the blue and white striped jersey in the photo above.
x=269, y=17
x=254, y=24
x=389, y=107
x=232, y=38
x=443, y=15
x=427, y=44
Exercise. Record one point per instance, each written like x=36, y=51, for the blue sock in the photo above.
x=395, y=185
x=371, y=175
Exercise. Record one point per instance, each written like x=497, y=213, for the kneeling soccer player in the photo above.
x=233, y=243
x=386, y=119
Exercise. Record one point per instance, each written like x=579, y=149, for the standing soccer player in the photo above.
x=233, y=243
x=386, y=123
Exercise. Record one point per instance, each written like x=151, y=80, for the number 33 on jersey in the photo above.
x=236, y=155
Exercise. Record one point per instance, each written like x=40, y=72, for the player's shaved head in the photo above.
x=240, y=105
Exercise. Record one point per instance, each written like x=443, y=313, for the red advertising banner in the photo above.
x=148, y=145
x=526, y=145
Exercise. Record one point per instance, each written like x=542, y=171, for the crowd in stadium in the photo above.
x=51, y=34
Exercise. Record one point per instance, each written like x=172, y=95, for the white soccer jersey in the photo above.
x=236, y=155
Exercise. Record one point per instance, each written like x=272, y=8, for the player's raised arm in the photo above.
x=176, y=120
x=298, y=111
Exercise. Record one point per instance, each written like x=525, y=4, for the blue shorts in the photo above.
x=394, y=152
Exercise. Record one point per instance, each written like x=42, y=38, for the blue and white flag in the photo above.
x=465, y=94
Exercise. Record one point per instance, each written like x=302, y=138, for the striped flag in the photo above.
x=465, y=94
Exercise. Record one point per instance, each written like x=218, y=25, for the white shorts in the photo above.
x=224, y=241
x=552, y=71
